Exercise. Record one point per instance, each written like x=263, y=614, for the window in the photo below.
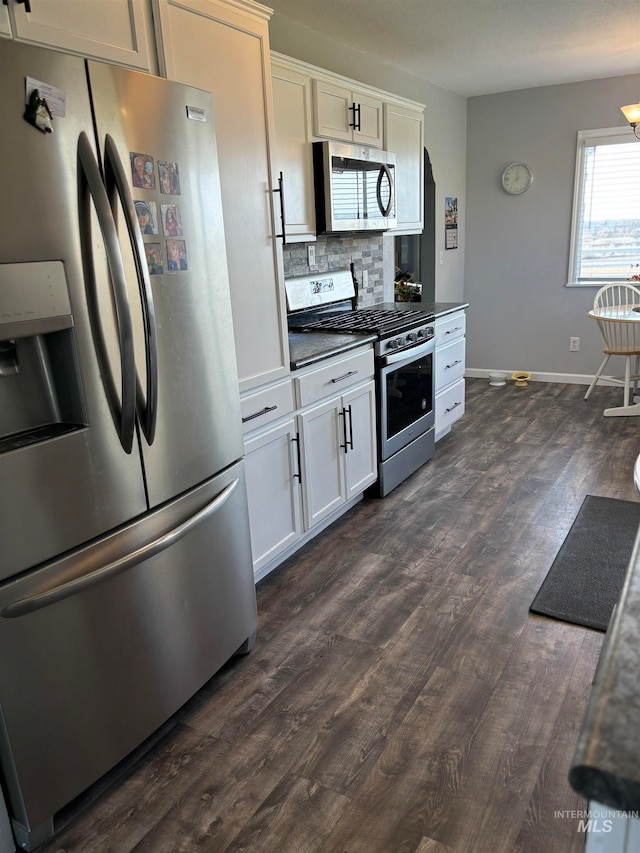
x=605, y=232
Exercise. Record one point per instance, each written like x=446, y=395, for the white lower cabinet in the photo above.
x=449, y=371
x=361, y=458
x=338, y=451
x=307, y=468
x=273, y=491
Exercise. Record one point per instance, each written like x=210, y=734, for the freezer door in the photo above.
x=100, y=648
x=59, y=491
x=163, y=135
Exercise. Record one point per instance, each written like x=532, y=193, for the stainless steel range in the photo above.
x=404, y=355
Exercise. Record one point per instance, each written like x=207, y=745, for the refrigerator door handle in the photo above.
x=116, y=181
x=91, y=189
x=58, y=592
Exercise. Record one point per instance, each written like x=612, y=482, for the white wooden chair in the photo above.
x=613, y=311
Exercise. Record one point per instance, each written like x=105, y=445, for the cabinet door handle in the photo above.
x=343, y=414
x=280, y=190
x=27, y=5
x=355, y=124
x=453, y=363
x=348, y=442
x=451, y=408
x=345, y=376
x=298, y=476
x=350, y=429
x=451, y=331
x=257, y=414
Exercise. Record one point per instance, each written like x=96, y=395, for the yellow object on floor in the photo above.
x=521, y=378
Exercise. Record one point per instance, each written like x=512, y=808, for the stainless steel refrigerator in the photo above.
x=125, y=563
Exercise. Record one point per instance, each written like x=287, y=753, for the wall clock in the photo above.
x=517, y=178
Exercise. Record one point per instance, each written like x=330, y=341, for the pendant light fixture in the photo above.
x=632, y=114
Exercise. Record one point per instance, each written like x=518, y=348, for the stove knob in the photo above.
x=422, y=333
x=392, y=344
x=412, y=336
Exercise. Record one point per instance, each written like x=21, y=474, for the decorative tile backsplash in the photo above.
x=336, y=252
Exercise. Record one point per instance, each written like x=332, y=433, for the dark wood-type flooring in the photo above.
x=400, y=696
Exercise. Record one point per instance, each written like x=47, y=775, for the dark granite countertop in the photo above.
x=606, y=765
x=307, y=348
x=442, y=308
x=438, y=308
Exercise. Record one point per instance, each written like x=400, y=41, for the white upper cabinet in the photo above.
x=404, y=136
x=5, y=25
x=223, y=47
x=113, y=30
x=293, y=154
x=301, y=90
x=343, y=113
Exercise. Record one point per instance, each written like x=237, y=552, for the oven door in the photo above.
x=406, y=395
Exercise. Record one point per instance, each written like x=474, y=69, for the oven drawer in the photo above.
x=449, y=406
x=450, y=328
x=263, y=407
x=333, y=377
x=449, y=363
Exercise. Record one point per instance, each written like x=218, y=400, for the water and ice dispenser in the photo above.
x=40, y=388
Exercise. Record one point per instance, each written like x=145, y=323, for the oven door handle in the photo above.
x=409, y=354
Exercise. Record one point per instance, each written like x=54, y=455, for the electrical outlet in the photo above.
x=574, y=344
x=441, y=257
x=365, y=278
x=311, y=255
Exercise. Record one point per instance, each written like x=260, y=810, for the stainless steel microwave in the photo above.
x=355, y=188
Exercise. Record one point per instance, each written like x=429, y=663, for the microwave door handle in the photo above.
x=384, y=170
x=91, y=190
x=146, y=402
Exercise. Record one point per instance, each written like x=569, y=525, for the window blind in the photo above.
x=608, y=233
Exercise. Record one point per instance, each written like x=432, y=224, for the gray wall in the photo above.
x=521, y=314
x=445, y=130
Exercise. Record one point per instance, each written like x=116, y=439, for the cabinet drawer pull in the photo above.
x=451, y=331
x=345, y=376
x=451, y=408
x=453, y=363
x=258, y=414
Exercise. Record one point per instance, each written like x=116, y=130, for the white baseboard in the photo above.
x=567, y=378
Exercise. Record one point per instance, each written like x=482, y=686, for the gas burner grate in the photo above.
x=373, y=320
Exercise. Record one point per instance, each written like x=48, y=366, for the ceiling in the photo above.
x=477, y=47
